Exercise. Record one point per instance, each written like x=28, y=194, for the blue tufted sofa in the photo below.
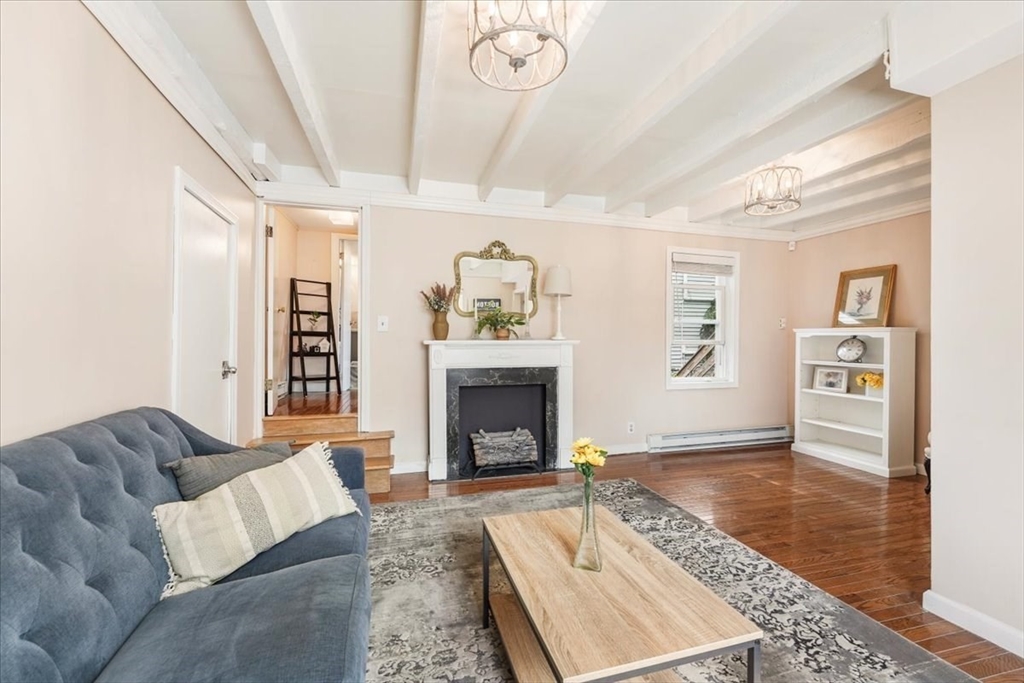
x=81, y=570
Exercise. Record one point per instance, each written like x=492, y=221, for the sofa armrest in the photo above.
x=350, y=463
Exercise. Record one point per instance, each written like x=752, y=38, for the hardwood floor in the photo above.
x=318, y=404
x=862, y=538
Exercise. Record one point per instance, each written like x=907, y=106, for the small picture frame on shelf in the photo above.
x=831, y=379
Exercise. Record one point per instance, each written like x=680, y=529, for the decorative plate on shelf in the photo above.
x=851, y=350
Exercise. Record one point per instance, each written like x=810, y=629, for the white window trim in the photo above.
x=731, y=318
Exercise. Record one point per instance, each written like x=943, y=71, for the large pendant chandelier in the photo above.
x=773, y=191
x=517, y=44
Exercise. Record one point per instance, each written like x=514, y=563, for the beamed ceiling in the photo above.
x=664, y=108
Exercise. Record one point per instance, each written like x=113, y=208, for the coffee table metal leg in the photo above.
x=754, y=663
x=487, y=577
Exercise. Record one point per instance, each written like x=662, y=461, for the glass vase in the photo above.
x=588, y=553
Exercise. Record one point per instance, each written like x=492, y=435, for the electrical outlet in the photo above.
x=792, y=246
x=382, y=323
x=630, y=427
x=782, y=323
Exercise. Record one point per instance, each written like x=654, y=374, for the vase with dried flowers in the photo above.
x=439, y=300
x=872, y=383
x=587, y=456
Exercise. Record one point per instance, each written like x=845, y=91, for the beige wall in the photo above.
x=977, y=359
x=286, y=235
x=313, y=256
x=617, y=313
x=87, y=177
x=814, y=270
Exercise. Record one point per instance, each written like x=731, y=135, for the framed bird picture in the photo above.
x=864, y=298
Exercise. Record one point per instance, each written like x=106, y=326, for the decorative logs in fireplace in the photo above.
x=501, y=450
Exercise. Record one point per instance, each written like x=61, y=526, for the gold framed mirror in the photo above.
x=492, y=277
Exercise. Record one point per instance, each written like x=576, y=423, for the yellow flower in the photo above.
x=577, y=459
x=580, y=444
x=595, y=459
x=871, y=379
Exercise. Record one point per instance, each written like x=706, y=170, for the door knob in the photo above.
x=227, y=369
x=280, y=309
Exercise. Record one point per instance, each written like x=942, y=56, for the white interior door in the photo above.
x=270, y=398
x=204, y=363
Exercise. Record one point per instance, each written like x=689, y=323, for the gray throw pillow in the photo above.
x=203, y=473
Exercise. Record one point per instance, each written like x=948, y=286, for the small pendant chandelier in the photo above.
x=773, y=191
x=517, y=44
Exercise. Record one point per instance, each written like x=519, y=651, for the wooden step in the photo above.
x=297, y=425
x=529, y=665
x=376, y=450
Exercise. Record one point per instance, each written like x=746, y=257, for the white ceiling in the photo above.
x=316, y=219
x=663, y=109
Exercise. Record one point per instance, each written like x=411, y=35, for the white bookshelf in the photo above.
x=870, y=433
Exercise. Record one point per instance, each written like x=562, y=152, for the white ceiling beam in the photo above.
x=282, y=45
x=431, y=27
x=531, y=106
x=835, y=133
x=828, y=72
x=732, y=38
x=909, y=160
x=837, y=129
x=936, y=45
x=266, y=161
x=145, y=36
x=910, y=197
x=849, y=219
x=860, y=188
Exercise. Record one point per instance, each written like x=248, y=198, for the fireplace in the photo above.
x=490, y=380
x=497, y=400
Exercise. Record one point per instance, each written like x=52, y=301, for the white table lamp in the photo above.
x=558, y=283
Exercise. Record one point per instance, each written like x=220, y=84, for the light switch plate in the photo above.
x=382, y=323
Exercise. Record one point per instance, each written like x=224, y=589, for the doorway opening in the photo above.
x=313, y=294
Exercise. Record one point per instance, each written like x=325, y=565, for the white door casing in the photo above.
x=346, y=291
x=270, y=398
x=298, y=196
x=204, y=309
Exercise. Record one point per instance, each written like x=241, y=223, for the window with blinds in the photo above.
x=701, y=318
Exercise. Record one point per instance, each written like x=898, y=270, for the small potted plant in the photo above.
x=314, y=319
x=500, y=322
x=439, y=300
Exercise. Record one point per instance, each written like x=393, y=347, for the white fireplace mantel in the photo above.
x=479, y=353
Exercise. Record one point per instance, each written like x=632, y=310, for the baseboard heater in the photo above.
x=718, y=438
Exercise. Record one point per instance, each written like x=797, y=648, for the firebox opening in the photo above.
x=500, y=408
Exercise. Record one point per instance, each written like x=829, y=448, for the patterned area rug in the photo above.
x=425, y=567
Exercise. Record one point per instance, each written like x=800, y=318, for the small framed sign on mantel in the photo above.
x=482, y=306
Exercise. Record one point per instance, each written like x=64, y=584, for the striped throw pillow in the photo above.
x=208, y=538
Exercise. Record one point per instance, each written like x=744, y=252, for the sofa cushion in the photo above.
x=306, y=623
x=209, y=537
x=80, y=559
x=196, y=476
x=339, y=536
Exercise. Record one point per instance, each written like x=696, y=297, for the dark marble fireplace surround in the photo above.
x=497, y=377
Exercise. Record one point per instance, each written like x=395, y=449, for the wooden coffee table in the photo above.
x=641, y=614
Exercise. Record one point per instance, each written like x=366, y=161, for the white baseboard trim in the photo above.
x=627, y=448
x=992, y=630
x=409, y=467
x=920, y=469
